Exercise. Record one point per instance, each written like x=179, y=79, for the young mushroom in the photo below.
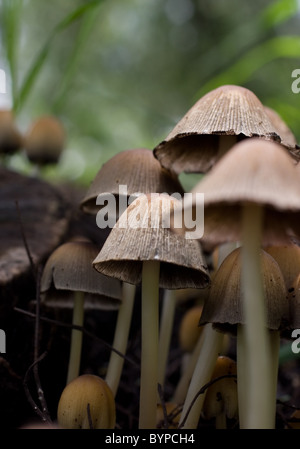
x=44, y=141
x=221, y=397
x=141, y=248
x=224, y=309
x=69, y=281
x=86, y=402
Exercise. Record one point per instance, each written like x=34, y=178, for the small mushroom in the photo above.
x=221, y=398
x=86, y=403
x=224, y=309
x=45, y=140
x=137, y=171
x=141, y=248
x=69, y=281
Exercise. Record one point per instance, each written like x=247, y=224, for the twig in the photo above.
x=36, y=271
x=32, y=265
x=80, y=328
x=42, y=413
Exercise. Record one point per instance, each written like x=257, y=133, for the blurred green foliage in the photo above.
x=121, y=73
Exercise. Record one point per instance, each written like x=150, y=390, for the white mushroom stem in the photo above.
x=76, y=337
x=212, y=344
x=260, y=408
x=149, y=356
x=165, y=332
x=116, y=361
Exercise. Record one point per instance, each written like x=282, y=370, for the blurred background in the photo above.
x=120, y=74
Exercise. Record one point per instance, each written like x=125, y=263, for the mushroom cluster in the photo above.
x=244, y=268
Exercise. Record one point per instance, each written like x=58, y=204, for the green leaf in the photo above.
x=39, y=61
x=279, y=12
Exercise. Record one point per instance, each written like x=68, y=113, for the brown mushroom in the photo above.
x=69, y=281
x=45, y=140
x=213, y=125
x=221, y=397
x=86, y=402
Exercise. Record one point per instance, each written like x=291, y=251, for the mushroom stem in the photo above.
x=116, y=361
x=165, y=332
x=76, y=337
x=260, y=391
x=149, y=356
x=183, y=384
x=206, y=363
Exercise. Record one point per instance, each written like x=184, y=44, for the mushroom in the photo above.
x=216, y=122
x=221, y=397
x=141, y=248
x=252, y=195
x=45, y=140
x=125, y=175
x=119, y=181
x=69, y=281
x=86, y=403
x=224, y=309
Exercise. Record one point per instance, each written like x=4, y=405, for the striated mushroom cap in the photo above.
x=223, y=307
x=69, y=269
x=45, y=140
x=256, y=171
x=142, y=234
x=207, y=129
x=138, y=170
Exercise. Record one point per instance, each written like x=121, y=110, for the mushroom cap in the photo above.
x=87, y=389
x=223, y=307
x=69, y=269
x=45, y=140
x=11, y=139
x=229, y=110
x=138, y=170
x=142, y=234
x=221, y=395
x=253, y=171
